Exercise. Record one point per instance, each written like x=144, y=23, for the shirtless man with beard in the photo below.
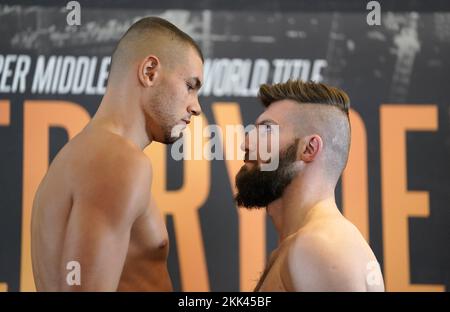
x=319, y=249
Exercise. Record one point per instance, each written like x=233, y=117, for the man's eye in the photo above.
x=189, y=87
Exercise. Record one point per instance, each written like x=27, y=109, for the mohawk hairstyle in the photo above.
x=304, y=92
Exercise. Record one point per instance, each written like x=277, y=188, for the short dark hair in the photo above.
x=148, y=27
x=153, y=23
x=304, y=92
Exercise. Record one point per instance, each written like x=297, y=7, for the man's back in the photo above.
x=94, y=207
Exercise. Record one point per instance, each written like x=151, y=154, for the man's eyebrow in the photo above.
x=266, y=122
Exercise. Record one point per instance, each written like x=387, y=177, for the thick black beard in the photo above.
x=257, y=189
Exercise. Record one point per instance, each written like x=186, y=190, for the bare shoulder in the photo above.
x=328, y=256
x=108, y=171
x=101, y=152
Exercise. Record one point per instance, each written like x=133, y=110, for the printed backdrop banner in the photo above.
x=395, y=188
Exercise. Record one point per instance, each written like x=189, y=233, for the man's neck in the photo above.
x=302, y=200
x=122, y=116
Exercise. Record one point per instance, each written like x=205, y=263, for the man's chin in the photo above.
x=170, y=138
x=253, y=207
x=175, y=134
x=252, y=204
x=244, y=204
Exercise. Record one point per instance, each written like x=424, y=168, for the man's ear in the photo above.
x=148, y=70
x=313, y=145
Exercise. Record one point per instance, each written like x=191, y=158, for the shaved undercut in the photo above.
x=322, y=110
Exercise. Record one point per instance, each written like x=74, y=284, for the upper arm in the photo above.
x=315, y=263
x=104, y=209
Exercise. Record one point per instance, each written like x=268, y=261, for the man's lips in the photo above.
x=187, y=121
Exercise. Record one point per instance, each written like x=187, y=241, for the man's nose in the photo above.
x=248, y=145
x=195, y=108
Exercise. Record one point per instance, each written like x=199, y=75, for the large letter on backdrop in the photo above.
x=355, y=186
x=183, y=205
x=39, y=116
x=252, y=226
x=5, y=120
x=398, y=204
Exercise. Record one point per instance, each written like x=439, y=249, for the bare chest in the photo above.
x=149, y=238
x=271, y=279
x=145, y=267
